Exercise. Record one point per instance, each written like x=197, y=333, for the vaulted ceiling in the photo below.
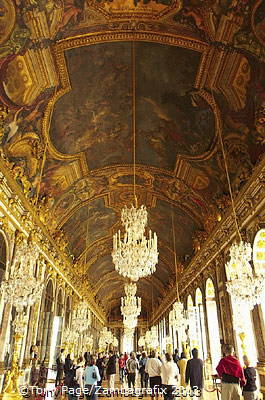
x=69, y=89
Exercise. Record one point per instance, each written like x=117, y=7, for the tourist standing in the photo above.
x=250, y=389
x=194, y=372
x=132, y=366
x=176, y=356
x=143, y=373
x=91, y=378
x=80, y=373
x=100, y=365
x=72, y=384
x=231, y=374
x=111, y=370
x=169, y=375
x=153, y=368
x=182, y=364
x=60, y=361
x=34, y=374
x=121, y=368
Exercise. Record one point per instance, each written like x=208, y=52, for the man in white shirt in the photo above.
x=153, y=368
x=170, y=375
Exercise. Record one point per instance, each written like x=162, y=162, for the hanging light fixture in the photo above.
x=130, y=306
x=134, y=256
x=245, y=286
x=81, y=317
x=177, y=317
x=151, y=338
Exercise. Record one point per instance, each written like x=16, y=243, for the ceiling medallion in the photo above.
x=124, y=9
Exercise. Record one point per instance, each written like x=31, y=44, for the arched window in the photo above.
x=2, y=257
x=213, y=324
x=200, y=324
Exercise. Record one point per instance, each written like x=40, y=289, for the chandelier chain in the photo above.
x=219, y=130
x=134, y=119
x=174, y=249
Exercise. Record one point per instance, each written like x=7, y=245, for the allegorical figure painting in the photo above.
x=95, y=117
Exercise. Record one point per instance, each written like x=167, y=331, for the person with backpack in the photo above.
x=132, y=366
x=72, y=385
x=60, y=361
x=143, y=373
x=91, y=378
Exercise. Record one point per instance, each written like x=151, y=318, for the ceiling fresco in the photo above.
x=90, y=224
x=95, y=117
x=66, y=122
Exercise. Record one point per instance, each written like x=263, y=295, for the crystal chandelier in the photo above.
x=70, y=336
x=81, y=317
x=88, y=342
x=130, y=306
x=141, y=341
x=135, y=256
x=106, y=336
x=21, y=288
x=177, y=316
x=244, y=287
x=151, y=338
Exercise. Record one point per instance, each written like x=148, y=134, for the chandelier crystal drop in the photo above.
x=244, y=286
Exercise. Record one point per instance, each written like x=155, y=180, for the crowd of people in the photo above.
x=172, y=373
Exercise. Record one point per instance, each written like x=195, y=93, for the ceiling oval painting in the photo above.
x=95, y=116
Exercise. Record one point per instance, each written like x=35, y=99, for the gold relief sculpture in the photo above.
x=136, y=8
x=34, y=72
x=29, y=147
x=3, y=115
x=7, y=19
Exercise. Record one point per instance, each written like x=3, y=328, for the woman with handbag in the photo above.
x=91, y=378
